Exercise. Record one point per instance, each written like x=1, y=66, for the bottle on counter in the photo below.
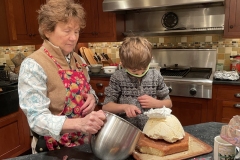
x=235, y=63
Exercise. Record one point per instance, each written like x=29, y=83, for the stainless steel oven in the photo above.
x=187, y=72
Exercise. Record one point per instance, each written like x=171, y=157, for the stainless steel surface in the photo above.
x=117, y=5
x=183, y=86
x=116, y=140
x=195, y=20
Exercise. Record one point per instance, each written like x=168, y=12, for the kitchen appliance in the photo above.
x=187, y=72
x=116, y=139
x=174, y=21
x=120, y=5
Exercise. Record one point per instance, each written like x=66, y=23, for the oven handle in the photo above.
x=237, y=95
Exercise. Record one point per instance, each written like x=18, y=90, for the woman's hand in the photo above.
x=92, y=122
x=131, y=110
x=89, y=105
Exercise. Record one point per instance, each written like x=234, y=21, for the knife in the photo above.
x=108, y=59
x=98, y=57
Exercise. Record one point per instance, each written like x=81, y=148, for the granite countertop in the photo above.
x=204, y=131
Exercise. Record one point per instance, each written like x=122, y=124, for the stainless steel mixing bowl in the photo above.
x=116, y=140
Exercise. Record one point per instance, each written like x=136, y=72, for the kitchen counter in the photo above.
x=204, y=131
x=226, y=82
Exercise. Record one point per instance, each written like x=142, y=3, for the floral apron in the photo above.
x=76, y=85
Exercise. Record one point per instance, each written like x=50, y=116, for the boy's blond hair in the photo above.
x=135, y=53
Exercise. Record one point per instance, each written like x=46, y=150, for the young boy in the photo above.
x=136, y=88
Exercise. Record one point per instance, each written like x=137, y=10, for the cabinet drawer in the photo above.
x=99, y=86
x=227, y=109
x=232, y=93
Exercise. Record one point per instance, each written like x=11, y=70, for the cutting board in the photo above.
x=196, y=148
x=83, y=55
x=89, y=55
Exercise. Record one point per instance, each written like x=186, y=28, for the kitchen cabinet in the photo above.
x=99, y=84
x=191, y=111
x=227, y=101
x=232, y=22
x=4, y=38
x=101, y=26
x=22, y=21
x=15, y=135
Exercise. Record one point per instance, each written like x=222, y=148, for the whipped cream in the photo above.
x=158, y=112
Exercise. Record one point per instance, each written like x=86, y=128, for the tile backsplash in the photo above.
x=225, y=47
x=9, y=52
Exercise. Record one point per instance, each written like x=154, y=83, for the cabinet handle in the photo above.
x=96, y=33
x=30, y=35
x=236, y=105
x=100, y=94
x=93, y=33
x=231, y=26
x=237, y=95
x=99, y=84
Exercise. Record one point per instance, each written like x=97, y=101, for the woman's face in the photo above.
x=65, y=35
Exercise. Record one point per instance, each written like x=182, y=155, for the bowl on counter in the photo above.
x=116, y=140
x=95, y=68
x=109, y=69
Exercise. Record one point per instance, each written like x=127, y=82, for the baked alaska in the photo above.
x=163, y=134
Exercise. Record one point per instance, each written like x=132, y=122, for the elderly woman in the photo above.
x=54, y=89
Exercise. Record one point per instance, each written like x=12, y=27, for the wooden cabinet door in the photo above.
x=232, y=22
x=227, y=102
x=190, y=111
x=91, y=19
x=226, y=109
x=105, y=26
x=100, y=26
x=31, y=7
x=14, y=135
x=22, y=21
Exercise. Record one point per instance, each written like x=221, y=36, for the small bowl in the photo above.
x=95, y=68
x=109, y=69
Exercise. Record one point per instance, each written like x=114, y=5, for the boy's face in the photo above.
x=137, y=72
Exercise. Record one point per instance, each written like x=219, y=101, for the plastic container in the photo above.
x=235, y=63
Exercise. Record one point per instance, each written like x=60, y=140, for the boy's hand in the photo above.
x=147, y=101
x=132, y=110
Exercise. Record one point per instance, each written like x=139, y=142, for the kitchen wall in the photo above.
x=225, y=47
x=9, y=52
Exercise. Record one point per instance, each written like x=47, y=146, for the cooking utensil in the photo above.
x=116, y=140
x=108, y=59
x=98, y=57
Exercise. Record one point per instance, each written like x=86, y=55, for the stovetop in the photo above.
x=193, y=72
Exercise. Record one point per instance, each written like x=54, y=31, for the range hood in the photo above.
x=120, y=5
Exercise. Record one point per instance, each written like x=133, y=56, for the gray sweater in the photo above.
x=124, y=89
